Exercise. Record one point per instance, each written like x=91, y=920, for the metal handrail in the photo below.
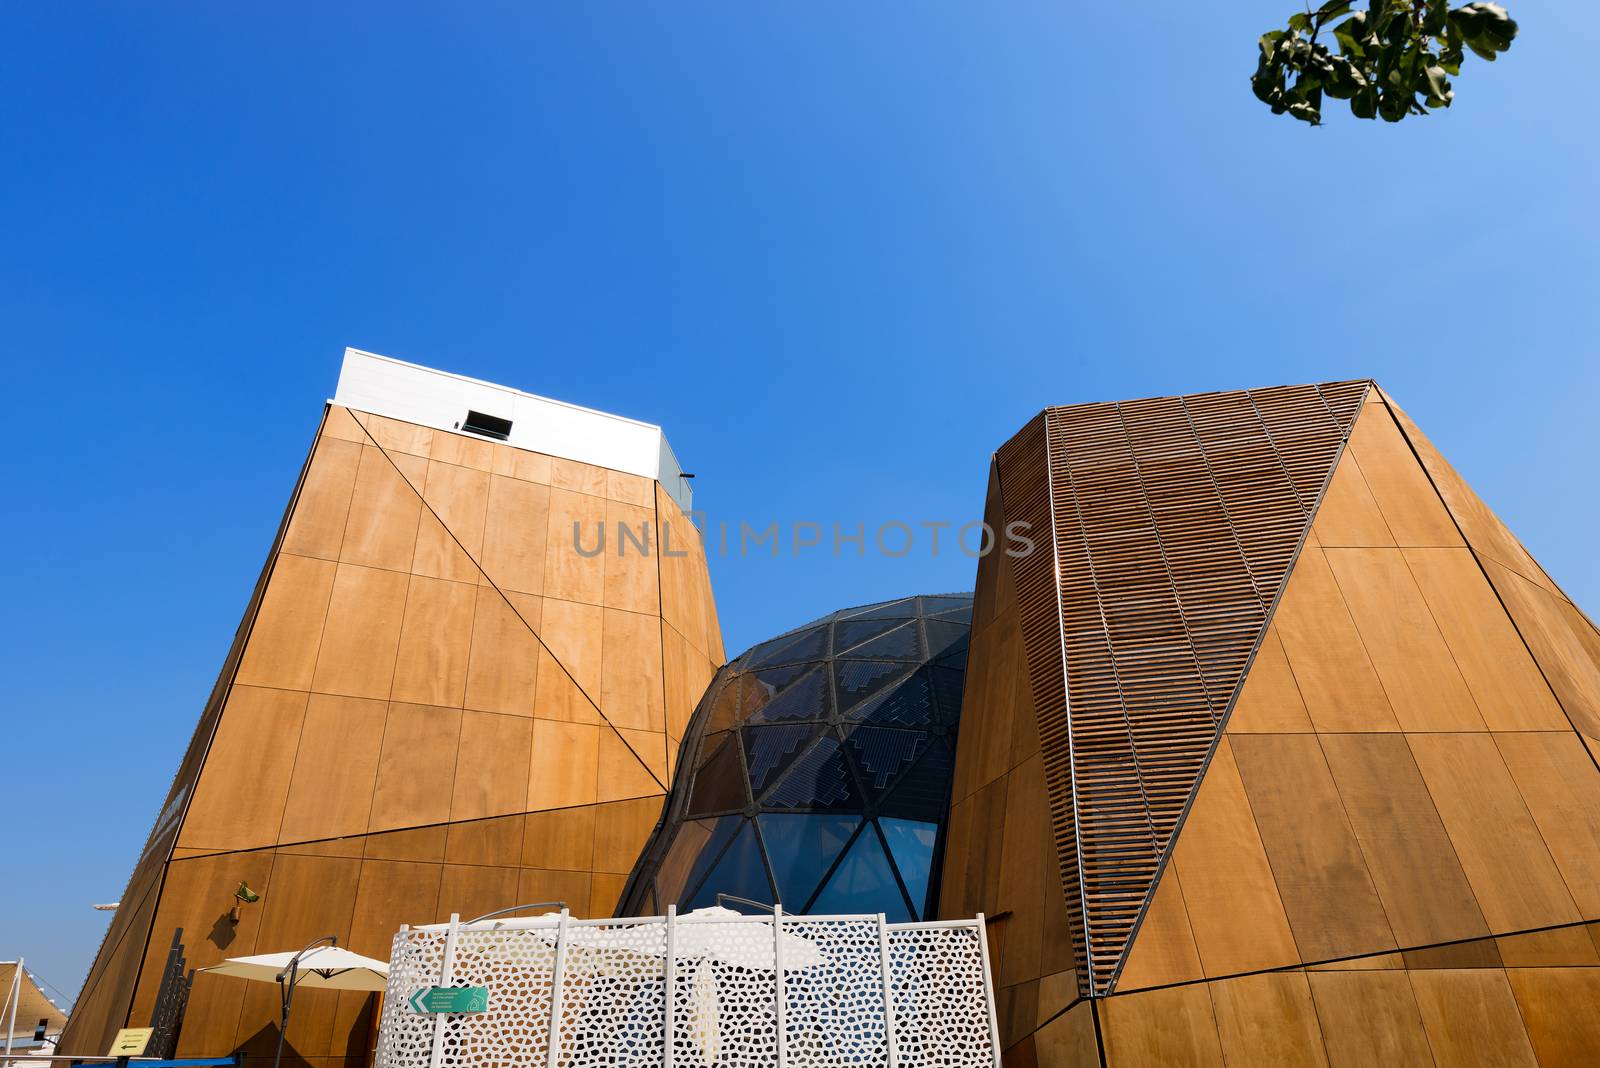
x=746, y=901
x=516, y=908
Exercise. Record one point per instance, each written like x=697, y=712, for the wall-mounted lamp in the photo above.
x=245, y=896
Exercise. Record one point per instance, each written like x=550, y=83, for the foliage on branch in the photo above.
x=1394, y=59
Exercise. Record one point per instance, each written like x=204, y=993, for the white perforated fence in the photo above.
x=730, y=991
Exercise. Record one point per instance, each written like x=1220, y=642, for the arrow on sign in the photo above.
x=445, y=999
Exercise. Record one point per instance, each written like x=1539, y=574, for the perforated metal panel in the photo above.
x=728, y=992
x=1169, y=526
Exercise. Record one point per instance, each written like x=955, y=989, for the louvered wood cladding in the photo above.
x=1165, y=529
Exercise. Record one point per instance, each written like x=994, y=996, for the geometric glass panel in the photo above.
x=856, y=680
x=740, y=872
x=734, y=701
x=909, y=704
x=902, y=643
x=944, y=636
x=801, y=848
x=947, y=684
x=863, y=882
x=768, y=749
x=719, y=783
x=881, y=753
x=693, y=855
x=849, y=633
x=805, y=699
x=939, y=606
x=911, y=845
x=920, y=790
x=818, y=780
x=808, y=645
x=905, y=608
x=775, y=679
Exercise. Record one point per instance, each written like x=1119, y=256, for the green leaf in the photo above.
x=1306, y=113
x=1352, y=34
x=1345, y=80
x=1485, y=28
x=1364, y=105
x=1269, y=42
x=1300, y=22
x=1436, y=87
x=1333, y=9
x=1267, y=85
x=1436, y=18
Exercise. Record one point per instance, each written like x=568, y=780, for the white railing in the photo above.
x=731, y=991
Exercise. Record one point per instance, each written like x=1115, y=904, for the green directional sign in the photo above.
x=438, y=999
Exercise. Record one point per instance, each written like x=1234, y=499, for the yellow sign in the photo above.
x=130, y=1041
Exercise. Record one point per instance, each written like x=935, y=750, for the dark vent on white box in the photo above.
x=490, y=426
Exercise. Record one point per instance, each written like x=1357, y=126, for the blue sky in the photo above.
x=840, y=251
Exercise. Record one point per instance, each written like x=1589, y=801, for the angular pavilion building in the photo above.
x=1278, y=750
x=441, y=699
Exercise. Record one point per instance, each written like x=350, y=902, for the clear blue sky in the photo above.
x=840, y=251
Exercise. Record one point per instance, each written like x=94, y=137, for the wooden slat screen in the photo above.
x=1174, y=522
x=1025, y=489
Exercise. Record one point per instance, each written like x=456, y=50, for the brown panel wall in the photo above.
x=1365, y=1013
x=1368, y=1018
x=1330, y=662
x=1226, y=873
x=1327, y=890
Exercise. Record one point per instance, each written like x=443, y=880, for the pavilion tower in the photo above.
x=441, y=699
x=1279, y=750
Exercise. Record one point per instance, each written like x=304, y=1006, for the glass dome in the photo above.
x=816, y=770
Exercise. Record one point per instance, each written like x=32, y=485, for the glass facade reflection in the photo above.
x=816, y=770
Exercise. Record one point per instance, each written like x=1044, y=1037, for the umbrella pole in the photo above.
x=286, y=991
x=285, y=996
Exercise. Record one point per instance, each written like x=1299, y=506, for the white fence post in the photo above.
x=555, y=988
x=888, y=993
x=669, y=1007
x=447, y=967
x=988, y=985
x=777, y=968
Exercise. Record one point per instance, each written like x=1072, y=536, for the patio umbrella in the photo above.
x=740, y=942
x=713, y=933
x=325, y=967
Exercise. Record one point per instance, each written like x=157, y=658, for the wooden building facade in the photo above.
x=435, y=703
x=1281, y=750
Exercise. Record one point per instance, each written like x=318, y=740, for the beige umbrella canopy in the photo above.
x=713, y=933
x=322, y=968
